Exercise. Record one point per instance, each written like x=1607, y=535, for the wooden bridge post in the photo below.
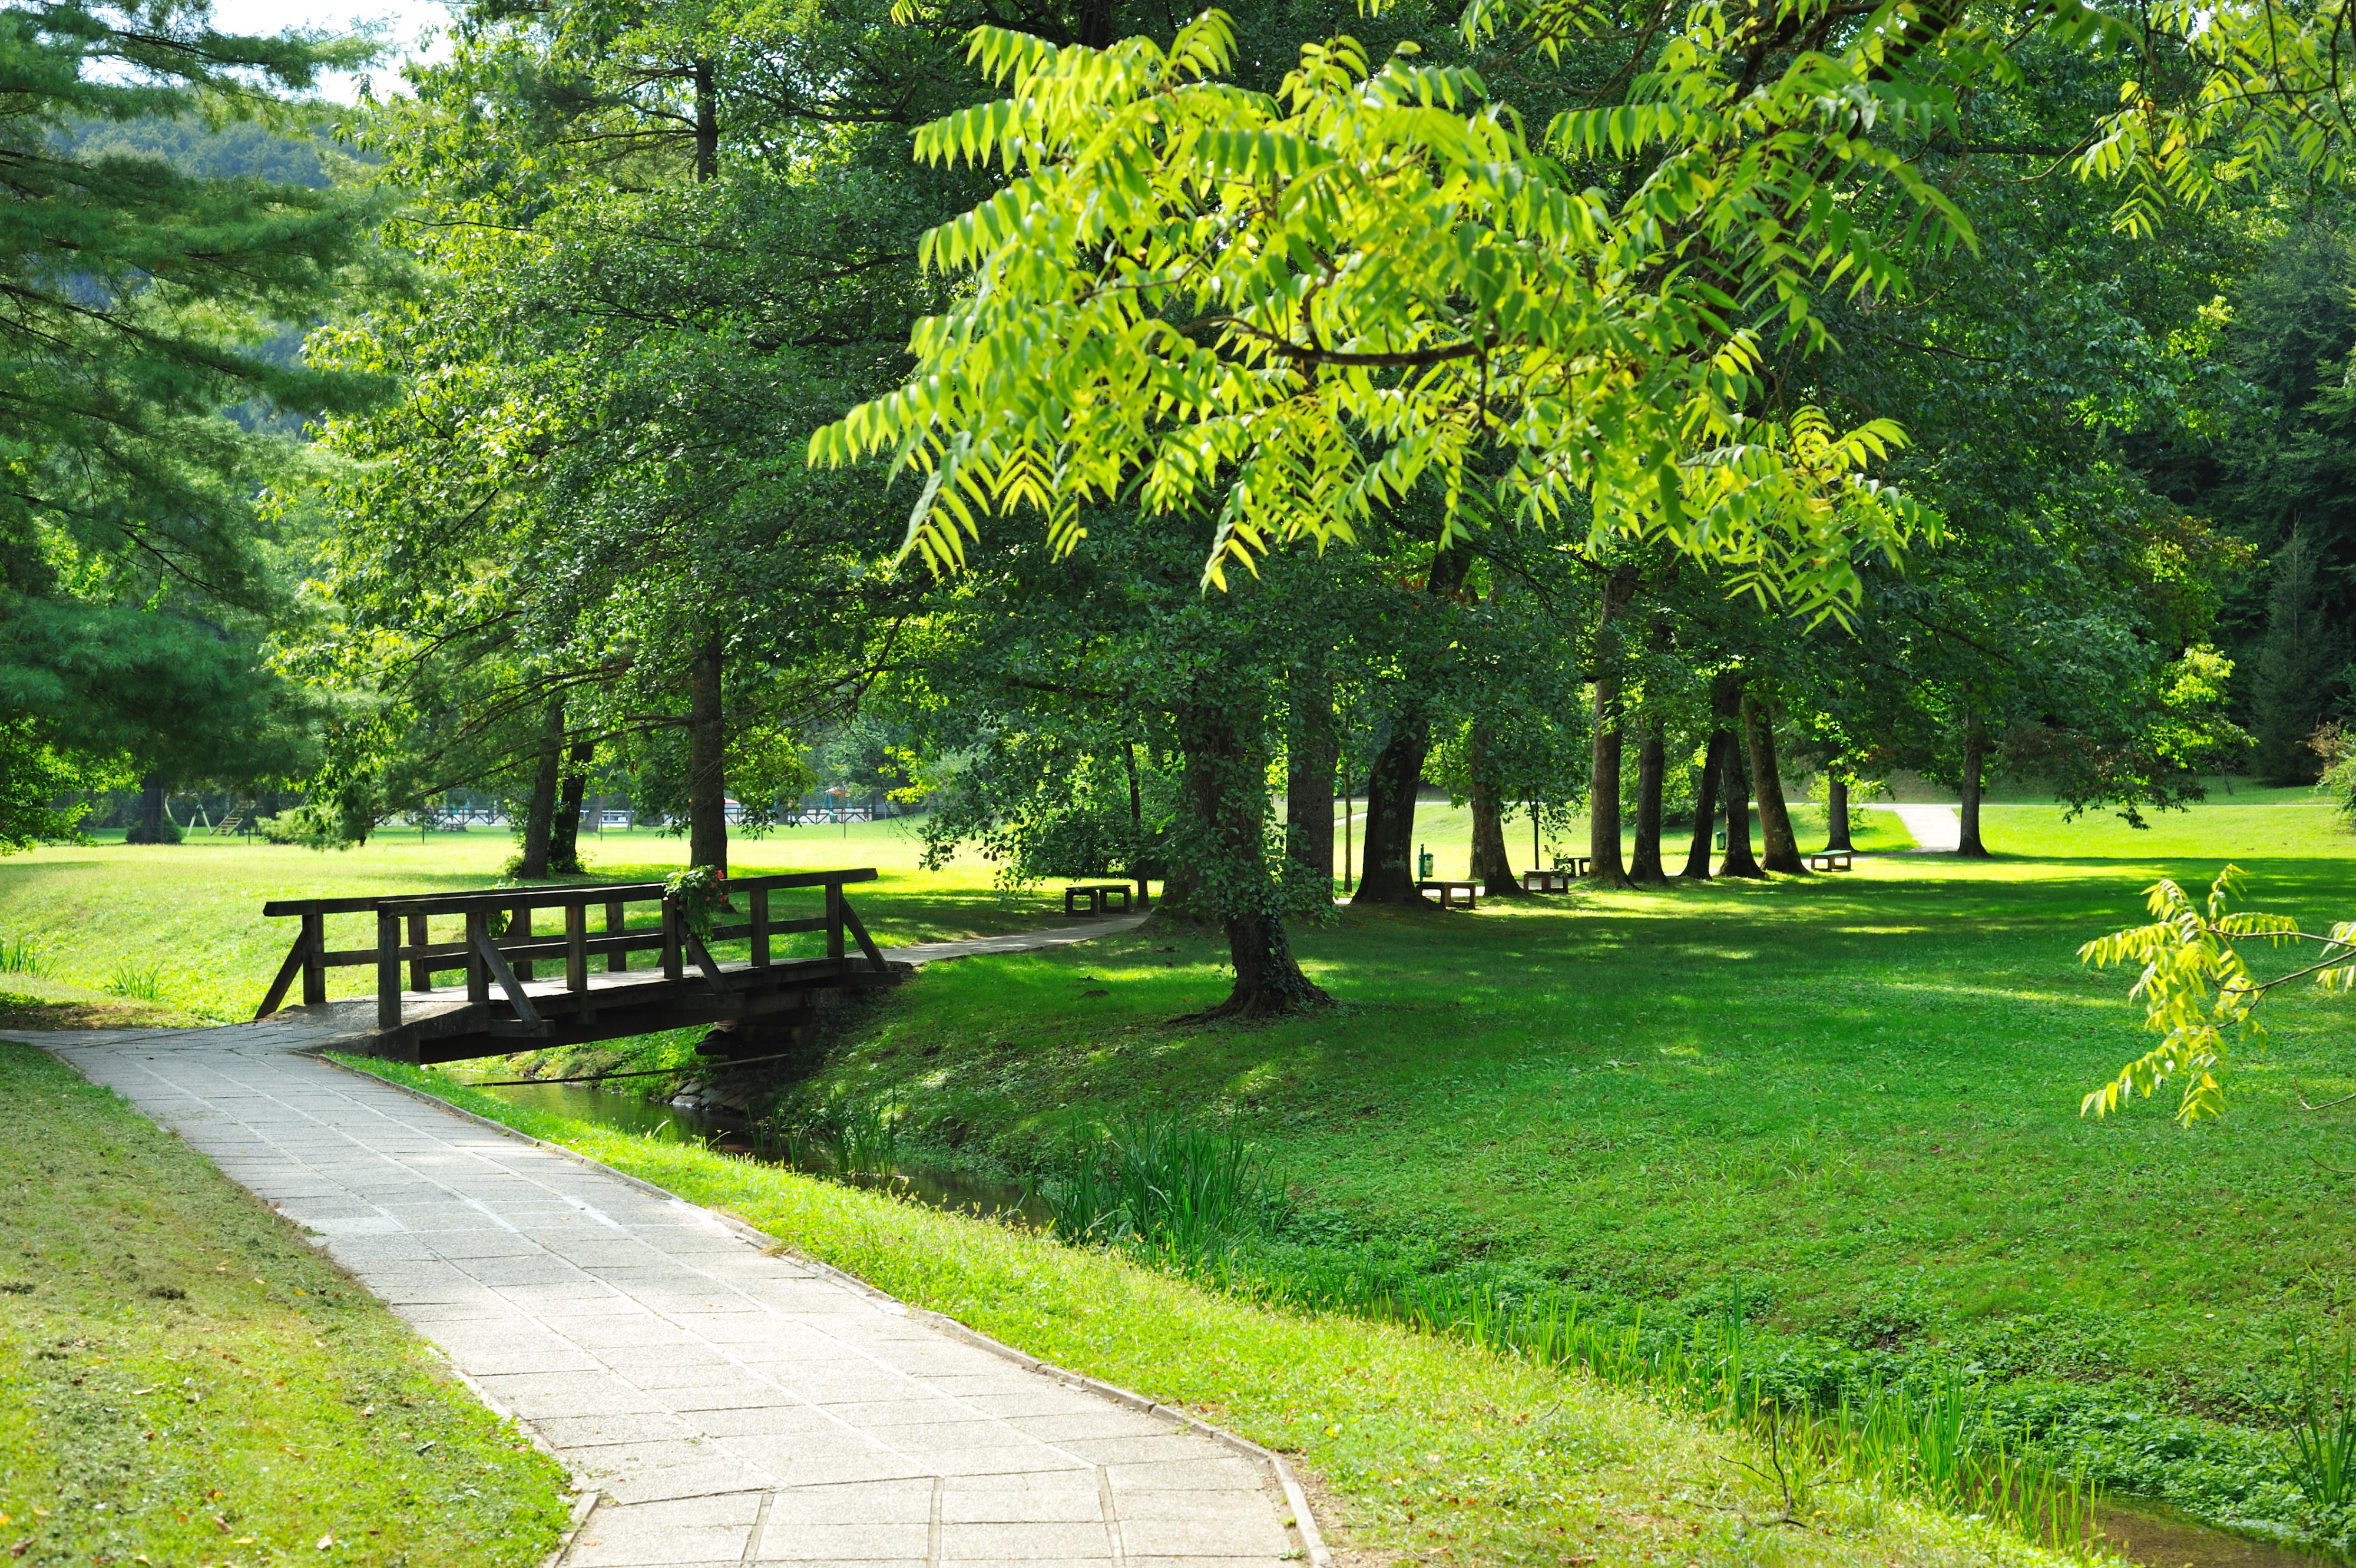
x=758, y=904
x=576, y=955
x=672, y=966
x=519, y=926
x=616, y=921
x=478, y=976
x=421, y=968
x=388, y=970
x=834, y=921
x=315, y=957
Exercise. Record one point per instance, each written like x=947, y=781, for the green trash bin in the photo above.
x=1423, y=866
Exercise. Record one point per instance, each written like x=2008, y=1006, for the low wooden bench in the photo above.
x=1095, y=895
x=1449, y=892
x=1537, y=881
x=1832, y=859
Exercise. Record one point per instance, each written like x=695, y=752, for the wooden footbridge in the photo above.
x=496, y=939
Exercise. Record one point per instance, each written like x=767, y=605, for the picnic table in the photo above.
x=1095, y=895
x=1539, y=881
x=1832, y=859
x=1448, y=892
x=1575, y=865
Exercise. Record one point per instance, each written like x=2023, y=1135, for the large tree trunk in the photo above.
x=153, y=824
x=1705, y=821
x=707, y=767
x=1836, y=812
x=1975, y=766
x=1312, y=751
x=1652, y=763
x=1774, y=811
x=1493, y=867
x=565, y=833
x=1734, y=789
x=1226, y=791
x=1386, y=871
x=540, y=812
x=1604, y=865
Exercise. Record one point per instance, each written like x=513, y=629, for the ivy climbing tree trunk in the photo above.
x=1312, y=751
x=1492, y=866
x=1734, y=788
x=1652, y=766
x=707, y=769
x=540, y=810
x=565, y=833
x=1975, y=766
x=1837, y=809
x=1705, y=819
x=1226, y=797
x=1774, y=811
x=1604, y=865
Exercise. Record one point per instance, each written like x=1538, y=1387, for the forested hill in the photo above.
x=231, y=152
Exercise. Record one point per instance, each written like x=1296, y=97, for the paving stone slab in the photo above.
x=729, y=1406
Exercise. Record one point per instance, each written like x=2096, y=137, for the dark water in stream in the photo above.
x=2148, y=1533
x=933, y=1184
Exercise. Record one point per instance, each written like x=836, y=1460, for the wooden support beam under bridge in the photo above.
x=495, y=940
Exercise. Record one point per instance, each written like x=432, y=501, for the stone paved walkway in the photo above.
x=727, y=1405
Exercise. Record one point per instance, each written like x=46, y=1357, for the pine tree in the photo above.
x=2298, y=665
x=139, y=304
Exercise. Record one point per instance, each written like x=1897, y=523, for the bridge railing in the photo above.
x=500, y=947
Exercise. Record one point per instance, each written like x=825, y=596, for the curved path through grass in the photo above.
x=728, y=1405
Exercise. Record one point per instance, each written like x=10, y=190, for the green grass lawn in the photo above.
x=1853, y=1098
x=186, y=1383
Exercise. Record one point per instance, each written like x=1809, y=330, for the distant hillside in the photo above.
x=229, y=153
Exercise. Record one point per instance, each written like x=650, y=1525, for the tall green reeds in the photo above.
x=22, y=955
x=1170, y=1184
x=849, y=1136
x=2323, y=1428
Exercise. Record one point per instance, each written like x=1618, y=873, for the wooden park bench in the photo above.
x=1450, y=891
x=1095, y=895
x=1832, y=859
x=1537, y=881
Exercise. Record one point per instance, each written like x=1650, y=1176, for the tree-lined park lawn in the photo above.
x=1853, y=1097
x=1856, y=1097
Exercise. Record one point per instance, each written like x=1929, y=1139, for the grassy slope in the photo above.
x=1855, y=1095
x=1435, y=1453
x=188, y=1382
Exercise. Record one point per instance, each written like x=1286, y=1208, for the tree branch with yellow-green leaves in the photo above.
x=2198, y=991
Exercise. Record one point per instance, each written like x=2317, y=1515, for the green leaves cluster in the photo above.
x=1289, y=310
x=2198, y=991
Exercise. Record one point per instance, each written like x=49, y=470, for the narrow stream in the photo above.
x=2139, y=1529
x=937, y=1186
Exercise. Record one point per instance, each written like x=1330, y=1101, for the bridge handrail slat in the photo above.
x=460, y=903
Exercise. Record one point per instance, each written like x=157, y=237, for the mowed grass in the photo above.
x=186, y=1383
x=1422, y=1450
x=1854, y=1098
